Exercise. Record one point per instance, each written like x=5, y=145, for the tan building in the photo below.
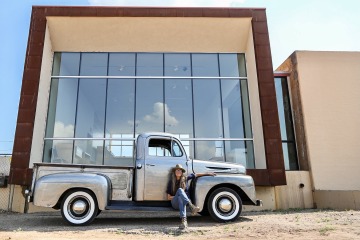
x=325, y=96
x=94, y=74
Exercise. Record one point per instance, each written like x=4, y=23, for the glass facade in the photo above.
x=100, y=102
x=286, y=124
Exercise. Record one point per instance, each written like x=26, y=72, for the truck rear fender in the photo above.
x=50, y=189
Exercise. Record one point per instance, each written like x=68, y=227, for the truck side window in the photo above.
x=160, y=147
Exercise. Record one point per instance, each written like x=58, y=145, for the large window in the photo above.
x=286, y=124
x=99, y=103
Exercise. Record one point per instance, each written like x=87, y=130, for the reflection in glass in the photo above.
x=119, y=152
x=229, y=66
x=121, y=64
x=177, y=64
x=210, y=150
x=149, y=106
x=88, y=152
x=290, y=156
x=205, y=64
x=94, y=64
x=187, y=145
x=283, y=102
x=58, y=151
x=240, y=152
x=232, y=114
x=246, y=108
x=91, y=108
x=207, y=108
x=66, y=64
x=120, y=107
x=178, y=107
x=149, y=64
x=242, y=65
x=286, y=125
x=119, y=122
x=62, y=108
x=176, y=149
x=159, y=147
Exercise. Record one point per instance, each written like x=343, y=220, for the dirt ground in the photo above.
x=294, y=224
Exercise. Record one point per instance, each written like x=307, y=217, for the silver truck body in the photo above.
x=145, y=181
x=107, y=183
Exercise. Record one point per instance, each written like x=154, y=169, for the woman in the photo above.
x=177, y=192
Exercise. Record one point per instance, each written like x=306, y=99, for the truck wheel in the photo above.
x=224, y=205
x=79, y=207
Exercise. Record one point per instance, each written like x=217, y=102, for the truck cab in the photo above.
x=154, y=162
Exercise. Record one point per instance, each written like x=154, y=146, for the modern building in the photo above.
x=95, y=77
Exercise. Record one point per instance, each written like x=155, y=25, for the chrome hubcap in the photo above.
x=79, y=207
x=225, y=205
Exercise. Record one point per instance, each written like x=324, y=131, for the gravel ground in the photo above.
x=294, y=224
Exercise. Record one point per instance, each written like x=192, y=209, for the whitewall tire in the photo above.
x=79, y=207
x=224, y=205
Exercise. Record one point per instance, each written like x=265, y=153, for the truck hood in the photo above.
x=201, y=166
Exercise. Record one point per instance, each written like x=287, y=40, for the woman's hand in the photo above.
x=205, y=174
x=169, y=197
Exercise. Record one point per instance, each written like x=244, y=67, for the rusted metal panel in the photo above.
x=289, y=69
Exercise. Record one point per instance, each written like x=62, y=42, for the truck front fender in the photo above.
x=242, y=184
x=49, y=189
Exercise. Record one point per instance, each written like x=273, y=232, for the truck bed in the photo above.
x=121, y=177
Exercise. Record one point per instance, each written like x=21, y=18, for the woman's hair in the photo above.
x=173, y=182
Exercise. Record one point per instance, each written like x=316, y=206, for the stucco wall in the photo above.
x=329, y=84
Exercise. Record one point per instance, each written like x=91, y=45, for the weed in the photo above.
x=324, y=230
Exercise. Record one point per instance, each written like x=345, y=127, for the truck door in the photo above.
x=161, y=155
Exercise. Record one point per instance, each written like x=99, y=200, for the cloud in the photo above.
x=61, y=130
x=170, y=3
x=157, y=115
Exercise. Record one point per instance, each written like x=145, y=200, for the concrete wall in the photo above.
x=329, y=84
x=297, y=193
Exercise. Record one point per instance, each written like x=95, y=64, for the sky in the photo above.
x=317, y=25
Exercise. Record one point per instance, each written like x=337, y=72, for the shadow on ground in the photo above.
x=118, y=222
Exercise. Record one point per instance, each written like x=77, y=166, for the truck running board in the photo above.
x=139, y=206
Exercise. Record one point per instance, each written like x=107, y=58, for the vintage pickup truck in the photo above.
x=81, y=192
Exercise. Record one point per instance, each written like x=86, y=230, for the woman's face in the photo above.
x=178, y=172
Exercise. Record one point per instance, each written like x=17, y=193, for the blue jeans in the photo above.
x=179, y=201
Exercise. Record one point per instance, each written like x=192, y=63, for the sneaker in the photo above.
x=183, y=224
x=194, y=209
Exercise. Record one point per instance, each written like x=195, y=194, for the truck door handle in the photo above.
x=138, y=166
x=150, y=165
